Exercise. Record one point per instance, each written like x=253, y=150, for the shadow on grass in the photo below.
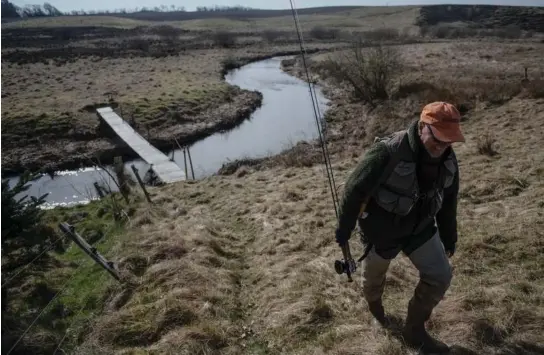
x=491, y=338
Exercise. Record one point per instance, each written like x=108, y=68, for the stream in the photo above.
x=285, y=118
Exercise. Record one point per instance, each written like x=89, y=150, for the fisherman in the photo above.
x=407, y=185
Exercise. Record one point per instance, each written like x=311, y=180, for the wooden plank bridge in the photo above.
x=166, y=170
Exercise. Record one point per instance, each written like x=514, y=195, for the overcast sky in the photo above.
x=67, y=5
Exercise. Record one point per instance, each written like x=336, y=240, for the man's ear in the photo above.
x=420, y=127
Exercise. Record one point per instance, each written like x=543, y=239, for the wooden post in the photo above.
x=179, y=146
x=191, y=162
x=173, y=152
x=98, y=190
x=141, y=183
x=185, y=163
x=89, y=250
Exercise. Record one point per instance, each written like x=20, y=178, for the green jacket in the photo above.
x=389, y=232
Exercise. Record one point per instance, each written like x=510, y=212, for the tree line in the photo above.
x=10, y=10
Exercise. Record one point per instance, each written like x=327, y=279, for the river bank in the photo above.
x=284, y=119
x=67, y=137
x=67, y=151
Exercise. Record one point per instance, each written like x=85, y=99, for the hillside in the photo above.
x=484, y=16
x=242, y=262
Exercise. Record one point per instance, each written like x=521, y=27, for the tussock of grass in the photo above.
x=486, y=144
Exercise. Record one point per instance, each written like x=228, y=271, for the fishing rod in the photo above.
x=347, y=265
x=317, y=113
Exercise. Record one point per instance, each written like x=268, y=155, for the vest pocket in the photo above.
x=394, y=203
x=403, y=176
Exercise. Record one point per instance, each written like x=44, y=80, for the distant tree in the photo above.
x=9, y=10
x=50, y=10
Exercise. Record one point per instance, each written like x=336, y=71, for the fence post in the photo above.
x=191, y=162
x=173, y=152
x=69, y=230
x=185, y=162
x=98, y=190
x=141, y=183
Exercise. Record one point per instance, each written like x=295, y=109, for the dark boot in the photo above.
x=377, y=311
x=414, y=332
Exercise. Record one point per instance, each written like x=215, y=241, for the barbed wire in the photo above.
x=32, y=261
x=73, y=322
x=46, y=306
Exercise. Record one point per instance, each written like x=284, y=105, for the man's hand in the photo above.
x=341, y=239
x=450, y=250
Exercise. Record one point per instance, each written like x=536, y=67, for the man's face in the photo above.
x=434, y=147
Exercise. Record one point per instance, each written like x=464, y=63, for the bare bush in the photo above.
x=535, y=89
x=324, y=33
x=449, y=31
x=272, y=35
x=368, y=72
x=224, y=39
x=486, y=144
x=167, y=32
x=139, y=44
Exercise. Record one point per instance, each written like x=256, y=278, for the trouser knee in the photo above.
x=432, y=287
x=374, y=269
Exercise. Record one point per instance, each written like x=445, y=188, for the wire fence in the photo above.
x=23, y=268
x=92, y=251
x=42, y=312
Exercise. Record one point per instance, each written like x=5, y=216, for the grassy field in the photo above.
x=242, y=263
x=269, y=249
x=363, y=17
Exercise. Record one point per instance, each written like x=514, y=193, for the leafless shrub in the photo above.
x=368, y=72
x=486, y=144
x=140, y=44
x=535, y=88
x=167, y=32
x=271, y=35
x=324, y=33
x=123, y=178
x=224, y=39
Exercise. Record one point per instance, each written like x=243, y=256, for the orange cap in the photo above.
x=444, y=120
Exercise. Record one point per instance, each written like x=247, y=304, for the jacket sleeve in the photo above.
x=446, y=218
x=359, y=184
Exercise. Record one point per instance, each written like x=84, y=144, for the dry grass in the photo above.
x=73, y=86
x=258, y=277
x=360, y=19
x=69, y=21
x=243, y=264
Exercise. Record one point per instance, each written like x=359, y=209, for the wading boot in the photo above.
x=377, y=311
x=415, y=335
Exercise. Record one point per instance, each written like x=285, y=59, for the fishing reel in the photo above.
x=345, y=267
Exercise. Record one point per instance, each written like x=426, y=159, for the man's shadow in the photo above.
x=394, y=328
x=488, y=337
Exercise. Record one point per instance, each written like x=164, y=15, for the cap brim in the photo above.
x=447, y=132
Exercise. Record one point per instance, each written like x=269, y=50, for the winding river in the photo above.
x=285, y=118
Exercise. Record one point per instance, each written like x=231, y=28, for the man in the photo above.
x=408, y=185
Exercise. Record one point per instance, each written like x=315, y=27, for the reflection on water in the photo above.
x=285, y=118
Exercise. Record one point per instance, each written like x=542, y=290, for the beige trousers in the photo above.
x=434, y=273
